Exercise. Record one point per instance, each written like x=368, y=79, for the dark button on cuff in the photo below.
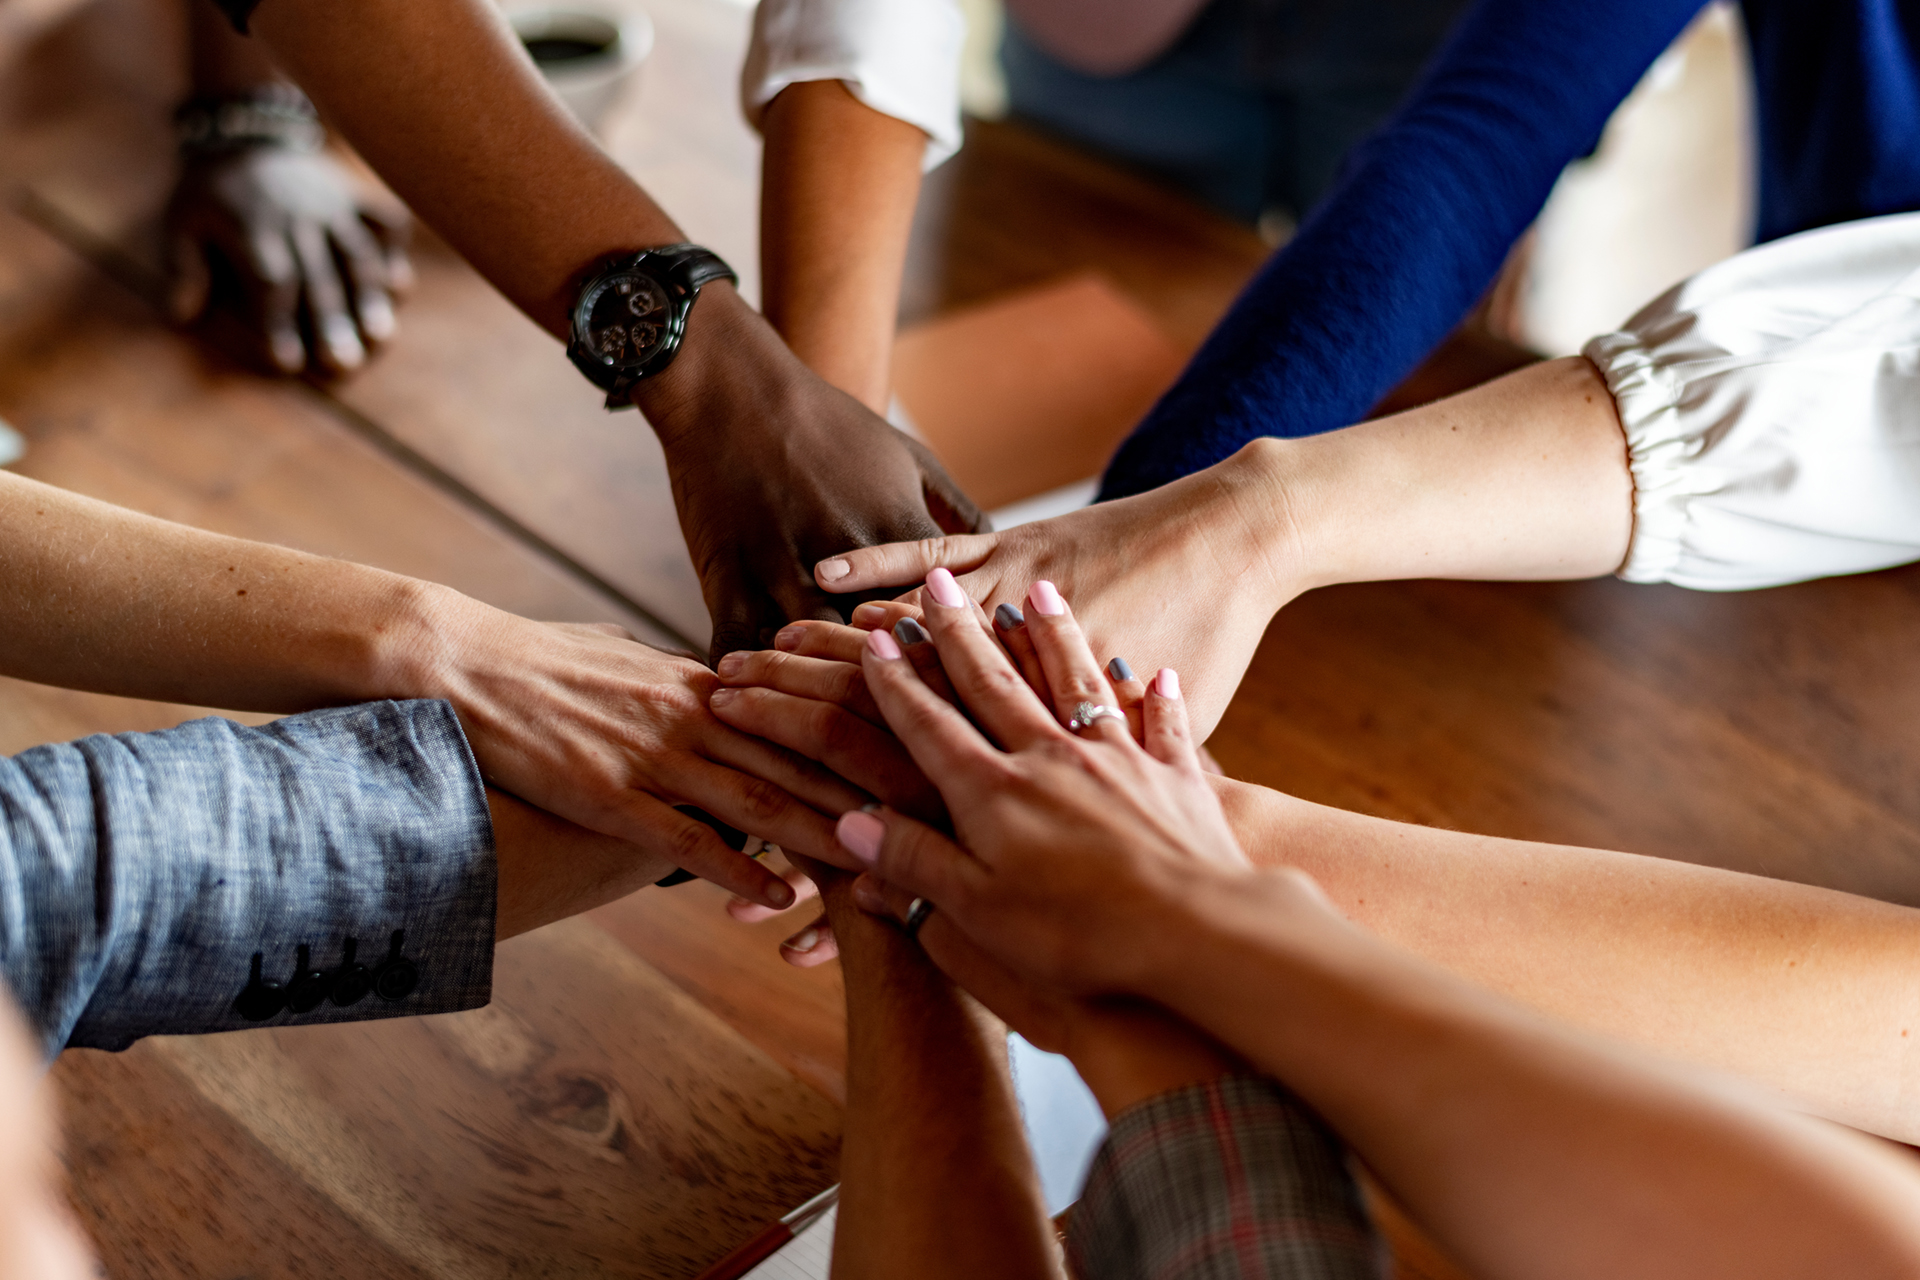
x=351, y=981
x=262, y=997
x=396, y=977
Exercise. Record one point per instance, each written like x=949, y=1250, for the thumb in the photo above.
x=737, y=612
x=910, y=855
x=946, y=501
x=901, y=564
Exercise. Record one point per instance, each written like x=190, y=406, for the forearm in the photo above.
x=1523, y=478
x=838, y=185
x=439, y=98
x=1806, y=991
x=1526, y=1150
x=112, y=601
x=142, y=875
x=934, y=1172
x=549, y=869
x=220, y=60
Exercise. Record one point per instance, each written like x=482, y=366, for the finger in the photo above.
x=393, y=229
x=192, y=285
x=367, y=274
x=1130, y=693
x=695, y=847
x=333, y=328
x=947, y=503
x=869, y=757
x=796, y=777
x=834, y=641
x=737, y=609
x=1168, y=735
x=755, y=805
x=1010, y=625
x=813, y=946
x=915, y=641
x=273, y=285
x=1073, y=674
x=804, y=891
x=989, y=686
x=912, y=855
x=825, y=680
x=897, y=564
x=880, y=615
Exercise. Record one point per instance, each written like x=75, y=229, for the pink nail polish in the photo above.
x=861, y=833
x=944, y=590
x=882, y=644
x=1167, y=683
x=1046, y=599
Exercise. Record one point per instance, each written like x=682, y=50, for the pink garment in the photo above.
x=1104, y=37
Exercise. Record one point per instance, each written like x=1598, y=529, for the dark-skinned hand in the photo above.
x=315, y=262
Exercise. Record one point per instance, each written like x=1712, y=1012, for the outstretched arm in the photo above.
x=935, y=1179
x=583, y=721
x=440, y=99
x=1411, y=237
x=1525, y=477
x=1094, y=865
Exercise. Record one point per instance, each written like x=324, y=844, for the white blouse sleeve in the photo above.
x=1772, y=412
x=901, y=57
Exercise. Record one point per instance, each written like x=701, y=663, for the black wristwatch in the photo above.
x=632, y=313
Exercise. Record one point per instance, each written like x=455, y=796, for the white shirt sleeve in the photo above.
x=1772, y=412
x=901, y=57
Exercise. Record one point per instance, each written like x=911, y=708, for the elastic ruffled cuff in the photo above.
x=1659, y=448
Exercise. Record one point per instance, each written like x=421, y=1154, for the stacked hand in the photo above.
x=1136, y=568
x=591, y=725
x=1068, y=852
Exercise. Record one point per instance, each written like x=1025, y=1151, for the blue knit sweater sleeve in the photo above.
x=1412, y=235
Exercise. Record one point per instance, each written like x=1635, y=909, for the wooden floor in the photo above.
x=652, y=1082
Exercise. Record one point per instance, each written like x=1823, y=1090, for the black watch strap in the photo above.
x=685, y=269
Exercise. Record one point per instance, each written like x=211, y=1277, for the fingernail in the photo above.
x=731, y=664
x=781, y=894
x=861, y=833
x=1118, y=669
x=805, y=940
x=909, y=632
x=1046, y=600
x=1009, y=617
x=1167, y=683
x=882, y=644
x=788, y=637
x=832, y=570
x=868, y=613
x=942, y=587
x=721, y=697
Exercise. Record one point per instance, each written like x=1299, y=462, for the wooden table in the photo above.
x=652, y=1082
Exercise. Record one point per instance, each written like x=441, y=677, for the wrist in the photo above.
x=1263, y=506
x=728, y=357
x=422, y=646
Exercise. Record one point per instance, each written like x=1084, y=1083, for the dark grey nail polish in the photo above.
x=1119, y=669
x=909, y=632
x=1009, y=617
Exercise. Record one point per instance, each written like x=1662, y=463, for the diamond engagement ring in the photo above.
x=1087, y=713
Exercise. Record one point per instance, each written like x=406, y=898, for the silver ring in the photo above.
x=1088, y=713
x=917, y=912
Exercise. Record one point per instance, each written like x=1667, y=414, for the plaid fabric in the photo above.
x=140, y=873
x=1223, y=1181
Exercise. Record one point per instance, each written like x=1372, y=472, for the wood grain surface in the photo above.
x=653, y=1081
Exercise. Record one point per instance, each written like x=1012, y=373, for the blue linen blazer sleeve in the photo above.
x=141, y=873
x=1412, y=234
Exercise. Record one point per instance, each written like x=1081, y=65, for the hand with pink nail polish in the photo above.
x=1185, y=576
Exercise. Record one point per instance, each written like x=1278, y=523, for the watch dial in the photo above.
x=626, y=319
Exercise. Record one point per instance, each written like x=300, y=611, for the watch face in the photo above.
x=626, y=319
